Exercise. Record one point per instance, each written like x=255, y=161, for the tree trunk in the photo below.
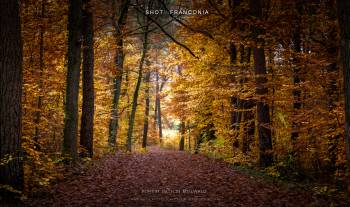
x=343, y=7
x=147, y=102
x=155, y=102
x=333, y=92
x=249, y=124
x=11, y=173
x=73, y=75
x=159, y=111
x=248, y=106
x=234, y=99
x=296, y=39
x=41, y=71
x=263, y=113
x=189, y=137
x=117, y=82
x=265, y=143
x=182, y=136
x=198, y=143
x=87, y=116
x=136, y=92
x=246, y=118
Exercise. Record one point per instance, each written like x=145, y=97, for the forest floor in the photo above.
x=167, y=179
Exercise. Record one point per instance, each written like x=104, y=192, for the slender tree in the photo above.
x=182, y=136
x=87, y=116
x=263, y=110
x=333, y=84
x=158, y=110
x=343, y=7
x=247, y=105
x=11, y=172
x=118, y=25
x=189, y=137
x=147, y=105
x=137, y=89
x=41, y=72
x=296, y=46
x=73, y=75
x=156, y=91
x=234, y=99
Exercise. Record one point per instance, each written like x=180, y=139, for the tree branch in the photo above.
x=165, y=32
x=205, y=33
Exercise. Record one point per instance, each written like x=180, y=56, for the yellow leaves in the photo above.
x=10, y=189
x=143, y=150
x=281, y=118
x=39, y=168
x=6, y=159
x=44, y=181
x=272, y=171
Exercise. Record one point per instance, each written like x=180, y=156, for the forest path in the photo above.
x=168, y=179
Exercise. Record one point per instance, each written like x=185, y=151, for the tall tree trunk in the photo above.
x=87, y=116
x=248, y=108
x=246, y=118
x=117, y=82
x=182, y=136
x=159, y=111
x=73, y=75
x=263, y=113
x=41, y=71
x=333, y=92
x=234, y=99
x=11, y=173
x=136, y=92
x=296, y=40
x=147, y=103
x=155, y=102
x=343, y=7
x=198, y=143
x=189, y=138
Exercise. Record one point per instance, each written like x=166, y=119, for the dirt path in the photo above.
x=169, y=179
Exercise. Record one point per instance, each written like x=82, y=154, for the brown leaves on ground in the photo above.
x=166, y=179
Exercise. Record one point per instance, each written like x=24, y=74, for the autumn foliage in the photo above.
x=258, y=84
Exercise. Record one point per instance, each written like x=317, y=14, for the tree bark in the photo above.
x=343, y=7
x=155, y=102
x=263, y=113
x=11, y=173
x=234, y=99
x=296, y=39
x=246, y=114
x=147, y=103
x=41, y=71
x=87, y=116
x=158, y=109
x=117, y=82
x=189, y=139
x=236, y=102
x=136, y=92
x=182, y=136
x=73, y=75
x=332, y=84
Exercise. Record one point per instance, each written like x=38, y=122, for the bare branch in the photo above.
x=165, y=32
x=217, y=9
x=205, y=33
